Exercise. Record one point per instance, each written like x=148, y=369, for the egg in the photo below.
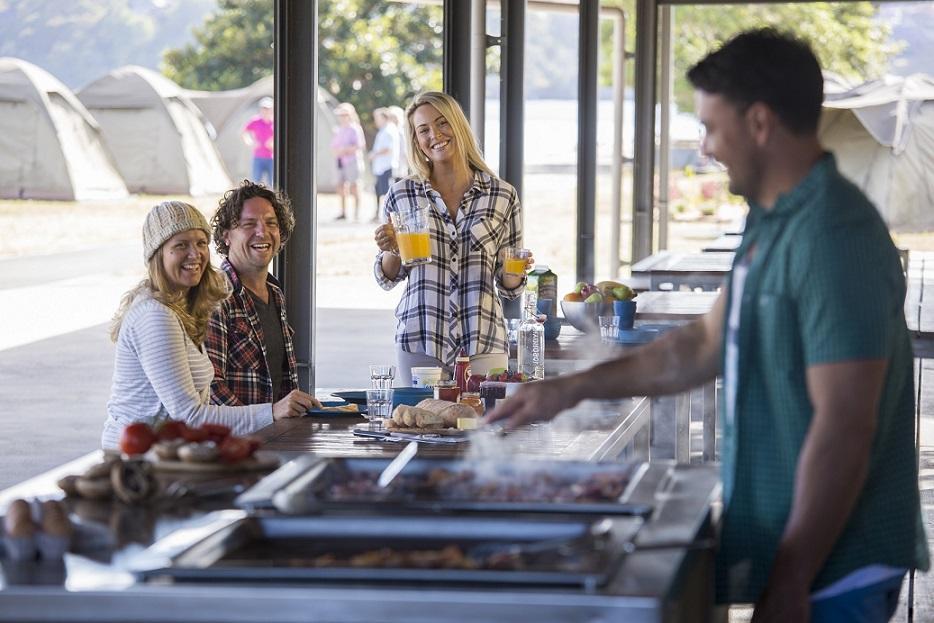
x=18, y=522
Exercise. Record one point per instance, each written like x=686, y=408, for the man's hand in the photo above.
x=781, y=603
x=295, y=404
x=541, y=400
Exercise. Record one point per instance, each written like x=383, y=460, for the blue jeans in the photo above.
x=262, y=168
x=875, y=603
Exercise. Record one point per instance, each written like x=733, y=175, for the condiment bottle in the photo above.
x=447, y=390
x=462, y=370
x=531, y=346
x=472, y=400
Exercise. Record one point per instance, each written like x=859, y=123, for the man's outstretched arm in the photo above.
x=675, y=362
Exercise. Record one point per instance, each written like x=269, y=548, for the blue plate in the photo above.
x=642, y=334
x=400, y=395
x=361, y=409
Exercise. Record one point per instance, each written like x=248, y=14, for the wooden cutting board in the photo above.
x=255, y=464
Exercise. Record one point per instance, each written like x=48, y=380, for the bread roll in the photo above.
x=427, y=419
x=449, y=411
x=406, y=416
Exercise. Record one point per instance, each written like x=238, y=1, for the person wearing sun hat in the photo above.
x=161, y=369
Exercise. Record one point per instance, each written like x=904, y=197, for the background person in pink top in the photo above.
x=258, y=134
x=348, y=145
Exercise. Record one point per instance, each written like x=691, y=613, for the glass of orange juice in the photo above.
x=516, y=261
x=411, y=225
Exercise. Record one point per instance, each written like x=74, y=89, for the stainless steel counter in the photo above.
x=658, y=585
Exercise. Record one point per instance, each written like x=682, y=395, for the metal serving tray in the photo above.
x=312, y=491
x=234, y=547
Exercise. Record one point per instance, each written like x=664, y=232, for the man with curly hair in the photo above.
x=249, y=339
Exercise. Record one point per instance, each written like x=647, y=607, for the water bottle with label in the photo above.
x=531, y=341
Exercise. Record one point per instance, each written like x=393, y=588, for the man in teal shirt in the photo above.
x=821, y=508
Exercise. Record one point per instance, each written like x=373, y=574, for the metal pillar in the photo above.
x=644, y=143
x=619, y=98
x=664, y=132
x=296, y=90
x=457, y=41
x=478, y=45
x=588, y=45
x=512, y=93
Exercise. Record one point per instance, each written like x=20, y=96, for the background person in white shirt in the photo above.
x=384, y=157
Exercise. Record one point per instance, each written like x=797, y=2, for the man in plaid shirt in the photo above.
x=249, y=339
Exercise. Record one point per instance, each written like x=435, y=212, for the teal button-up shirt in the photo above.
x=824, y=285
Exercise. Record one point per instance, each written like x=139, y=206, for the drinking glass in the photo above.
x=609, y=328
x=378, y=407
x=381, y=376
x=515, y=261
x=411, y=225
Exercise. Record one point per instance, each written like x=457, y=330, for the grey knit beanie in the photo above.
x=167, y=219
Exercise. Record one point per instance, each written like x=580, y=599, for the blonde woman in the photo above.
x=452, y=303
x=161, y=370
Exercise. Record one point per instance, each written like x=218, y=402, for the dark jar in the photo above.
x=447, y=390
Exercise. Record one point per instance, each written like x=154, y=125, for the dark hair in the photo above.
x=230, y=207
x=766, y=66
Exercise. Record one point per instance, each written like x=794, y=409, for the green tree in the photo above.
x=78, y=41
x=372, y=53
x=847, y=36
x=232, y=49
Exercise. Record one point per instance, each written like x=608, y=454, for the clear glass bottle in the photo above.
x=531, y=341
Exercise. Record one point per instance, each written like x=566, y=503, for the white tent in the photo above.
x=882, y=133
x=229, y=112
x=50, y=147
x=157, y=135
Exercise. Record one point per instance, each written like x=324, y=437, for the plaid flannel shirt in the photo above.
x=237, y=349
x=453, y=302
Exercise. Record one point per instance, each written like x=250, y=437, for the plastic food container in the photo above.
x=425, y=377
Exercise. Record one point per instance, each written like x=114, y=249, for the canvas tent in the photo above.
x=882, y=134
x=50, y=147
x=229, y=112
x=157, y=135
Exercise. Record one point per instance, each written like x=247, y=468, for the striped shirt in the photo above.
x=453, y=302
x=159, y=374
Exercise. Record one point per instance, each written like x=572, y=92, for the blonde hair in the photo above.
x=464, y=140
x=193, y=309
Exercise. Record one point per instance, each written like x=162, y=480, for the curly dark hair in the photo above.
x=230, y=207
x=766, y=66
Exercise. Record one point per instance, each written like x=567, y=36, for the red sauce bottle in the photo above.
x=462, y=370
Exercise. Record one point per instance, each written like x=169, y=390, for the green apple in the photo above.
x=596, y=297
x=580, y=286
x=623, y=293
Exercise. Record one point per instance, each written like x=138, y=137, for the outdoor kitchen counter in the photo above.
x=592, y=432
x=661, y=585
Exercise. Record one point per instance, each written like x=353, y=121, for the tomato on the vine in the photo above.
x=137, y=438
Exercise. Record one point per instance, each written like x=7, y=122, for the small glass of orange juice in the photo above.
x=516, y=261
x=411, y=225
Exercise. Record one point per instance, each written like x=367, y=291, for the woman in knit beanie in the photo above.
x=161, y=371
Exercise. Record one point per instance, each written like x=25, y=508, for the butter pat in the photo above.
x=467, y=423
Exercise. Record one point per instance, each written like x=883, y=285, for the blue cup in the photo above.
x=626, y=310
x=552, y=322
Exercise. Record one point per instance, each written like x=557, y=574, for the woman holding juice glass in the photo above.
x=452, y=222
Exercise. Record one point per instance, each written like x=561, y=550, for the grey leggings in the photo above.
x=479, y=364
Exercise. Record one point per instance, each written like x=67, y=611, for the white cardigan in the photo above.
x=159, y=374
